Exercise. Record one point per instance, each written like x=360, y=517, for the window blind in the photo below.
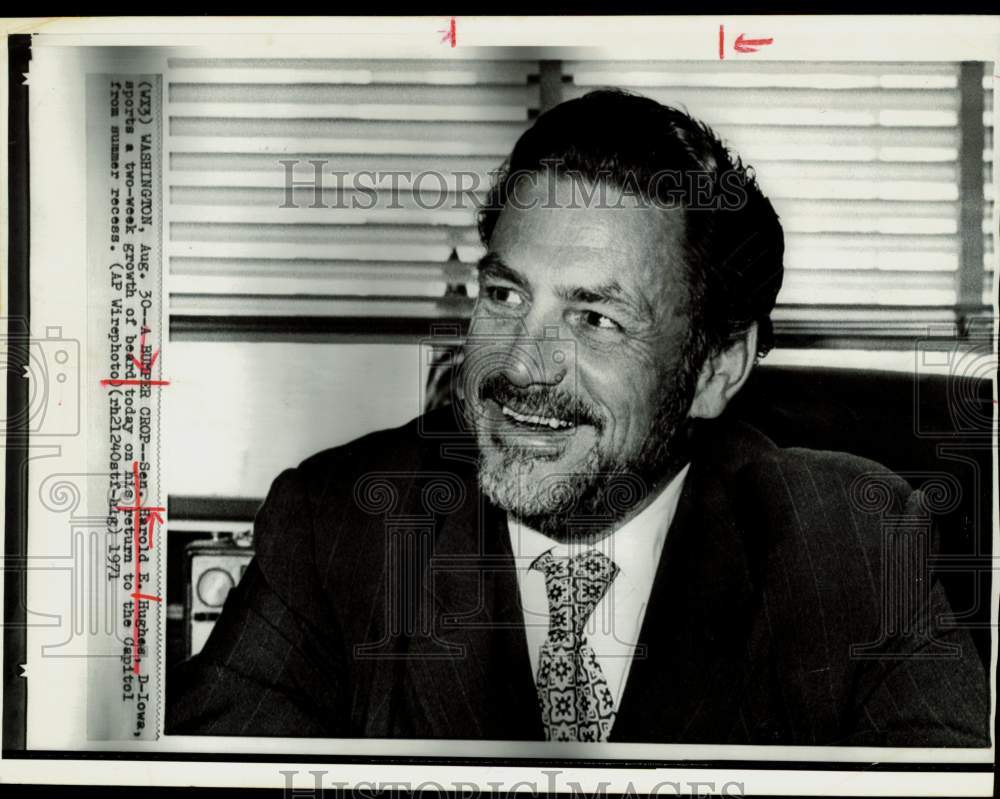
x=860, y=160
x=240, y=244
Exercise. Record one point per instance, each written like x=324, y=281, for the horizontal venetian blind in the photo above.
x=861, y=162
x=241, y=245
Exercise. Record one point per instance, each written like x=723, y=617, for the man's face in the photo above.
x=575, y=377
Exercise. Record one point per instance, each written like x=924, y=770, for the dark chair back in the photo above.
x=937, y=431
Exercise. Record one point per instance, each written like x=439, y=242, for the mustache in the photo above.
x=539, y=401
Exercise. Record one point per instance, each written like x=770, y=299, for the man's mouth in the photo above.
x=535, y=420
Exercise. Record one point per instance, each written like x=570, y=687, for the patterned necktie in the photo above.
x=576, y=702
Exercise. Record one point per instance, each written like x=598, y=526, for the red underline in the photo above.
x=109, y=382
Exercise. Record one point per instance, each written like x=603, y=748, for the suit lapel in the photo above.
x=468, y=670
x=685, y=682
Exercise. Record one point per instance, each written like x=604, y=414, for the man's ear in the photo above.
x=723, y=375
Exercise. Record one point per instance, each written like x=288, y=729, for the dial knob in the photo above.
x=213, y=586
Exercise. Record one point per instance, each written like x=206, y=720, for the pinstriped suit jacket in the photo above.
x=792, y=605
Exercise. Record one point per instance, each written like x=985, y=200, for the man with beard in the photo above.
x=582, y=547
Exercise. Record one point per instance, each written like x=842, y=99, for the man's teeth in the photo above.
x=541, y=421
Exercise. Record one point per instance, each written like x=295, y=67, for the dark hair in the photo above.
x=733, y=241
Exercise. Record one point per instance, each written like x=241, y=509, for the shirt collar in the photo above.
x=635, y=547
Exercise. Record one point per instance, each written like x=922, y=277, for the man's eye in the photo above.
x=504, y=296
x=600, y=321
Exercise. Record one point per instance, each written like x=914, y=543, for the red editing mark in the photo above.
x=108, y=381
x=143, y=366
x=450, y=34
x=742, y=45
x=137, y=595
x=154, y=518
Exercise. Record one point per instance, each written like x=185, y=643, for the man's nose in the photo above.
x=539, y=355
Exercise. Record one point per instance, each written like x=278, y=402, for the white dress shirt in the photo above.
x=613, y=628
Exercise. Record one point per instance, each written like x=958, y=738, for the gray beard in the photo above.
x=585, y=505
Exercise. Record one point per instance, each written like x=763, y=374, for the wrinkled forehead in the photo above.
x=571, y=230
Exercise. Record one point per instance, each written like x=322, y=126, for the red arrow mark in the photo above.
x=450, y=33
x=153, y=517
x=742, y=45
x=144, y=367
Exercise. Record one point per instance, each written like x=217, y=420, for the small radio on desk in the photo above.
x=213, y=567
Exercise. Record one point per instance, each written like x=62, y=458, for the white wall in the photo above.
x=237, y=413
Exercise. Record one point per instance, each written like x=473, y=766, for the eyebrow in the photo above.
x=493, y=265
x=610, y=292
